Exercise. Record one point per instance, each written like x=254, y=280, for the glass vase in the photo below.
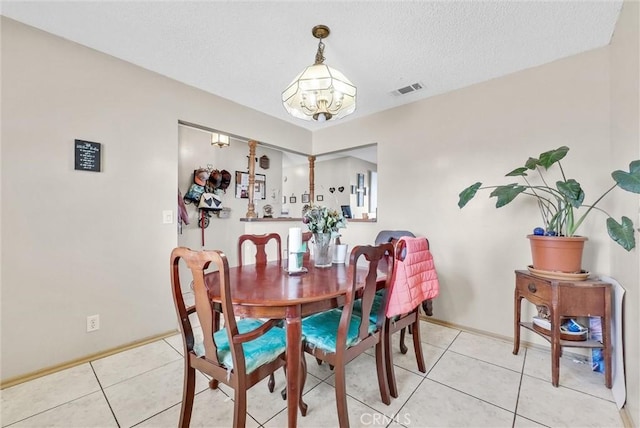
x=322, y=254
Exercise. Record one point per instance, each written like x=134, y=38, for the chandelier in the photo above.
x=320, y=92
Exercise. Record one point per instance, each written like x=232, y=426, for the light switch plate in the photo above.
x=167, y=217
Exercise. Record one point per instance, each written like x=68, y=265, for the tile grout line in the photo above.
x=515, y=411
x=104, y=394
x=424, y=378
x=463, y=392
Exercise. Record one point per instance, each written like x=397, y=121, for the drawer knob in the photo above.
x=532, y=287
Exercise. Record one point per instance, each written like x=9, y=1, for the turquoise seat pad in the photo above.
x=262, y=350
x=375, y=307
x=321, y=330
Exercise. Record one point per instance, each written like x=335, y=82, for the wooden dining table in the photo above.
x=271, y=292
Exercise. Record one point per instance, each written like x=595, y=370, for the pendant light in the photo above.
x=320, y=92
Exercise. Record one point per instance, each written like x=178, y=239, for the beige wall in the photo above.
x=437, y=147
x=78, y=243
x=625, y=145
x=97, y=245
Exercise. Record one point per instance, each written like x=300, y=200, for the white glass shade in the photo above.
x=320, y=93
x=219, y=140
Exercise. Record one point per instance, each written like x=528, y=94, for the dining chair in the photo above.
x=427, y=306
x=260, y=242
x=240, y=355
x=423, y=283
x=338, y=336
x=410, y=317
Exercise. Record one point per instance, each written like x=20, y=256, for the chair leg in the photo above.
x=240, y=407
x=403, y=347
x=417, y=346
x=213, y=383
x=188, y=393
x=303, y=379
x=391, y=377
x=319, y=361
x=341, y=397
x=272, y=382
x=283, y=392
x=381, y=368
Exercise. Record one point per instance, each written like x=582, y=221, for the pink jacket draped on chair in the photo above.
x=414, y=278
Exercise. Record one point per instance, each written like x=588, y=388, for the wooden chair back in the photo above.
x=400, y=246
x=260, y=242
x=199, y=262
x=375, y=255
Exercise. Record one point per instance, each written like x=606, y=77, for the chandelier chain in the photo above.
x=320, y=53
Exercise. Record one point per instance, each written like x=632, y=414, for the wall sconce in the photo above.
x=219, y=140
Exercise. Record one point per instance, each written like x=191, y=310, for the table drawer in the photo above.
x=537, y=291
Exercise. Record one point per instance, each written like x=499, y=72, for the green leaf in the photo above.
x=552, y=156
x=623, y=233
x=518, y=172
x=532, y=163
x=507, y=193
x=467, y=194
x=629, y=181
x=572, y=191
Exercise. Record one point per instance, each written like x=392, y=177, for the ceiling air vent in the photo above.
x=408, y=89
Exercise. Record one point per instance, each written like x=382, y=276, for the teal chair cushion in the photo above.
x=321, y=330
x=262, y=350
x=375, y=308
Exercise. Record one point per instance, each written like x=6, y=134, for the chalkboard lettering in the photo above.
x=87, y=156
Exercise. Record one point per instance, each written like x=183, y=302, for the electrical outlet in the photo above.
x=93, y=323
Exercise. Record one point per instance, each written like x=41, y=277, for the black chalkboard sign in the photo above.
x=87, y=156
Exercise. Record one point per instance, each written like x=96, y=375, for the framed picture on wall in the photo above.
x=292, y=199
x=305, y=198
x=319, y=198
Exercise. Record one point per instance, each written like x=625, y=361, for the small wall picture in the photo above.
x=292, y=199
x=319, y=198
x=305, y=198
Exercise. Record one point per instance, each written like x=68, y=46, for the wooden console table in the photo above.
x=565, y=298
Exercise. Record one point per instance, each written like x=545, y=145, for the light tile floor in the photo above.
x=471, y=381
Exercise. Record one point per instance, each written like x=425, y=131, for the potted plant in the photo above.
x=324, y=224
x=561, y=206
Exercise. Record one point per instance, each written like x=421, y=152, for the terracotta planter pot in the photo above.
x=557, y=253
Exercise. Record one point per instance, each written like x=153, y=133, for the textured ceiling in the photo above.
x=249, y=51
